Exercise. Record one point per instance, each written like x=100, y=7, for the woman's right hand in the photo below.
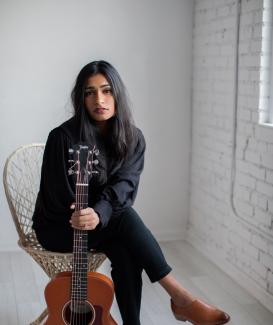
x=85, y=219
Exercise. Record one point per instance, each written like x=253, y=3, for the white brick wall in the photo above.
x=242, y=237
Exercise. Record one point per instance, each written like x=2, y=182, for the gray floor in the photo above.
x=22, y=284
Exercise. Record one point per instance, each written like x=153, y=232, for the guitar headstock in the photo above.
x=83, y=159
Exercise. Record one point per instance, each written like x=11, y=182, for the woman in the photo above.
x=102, y=117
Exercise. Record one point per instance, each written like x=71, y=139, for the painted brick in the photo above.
x=259, y=200
x=245, y=33
x=267, y=160
x=256, y=46
x=252, y=144
x=213, y=112
x=254, y=75
x=258, y=16
x=251, y=251
x=270, y=206
x=246, y=180
x=247, y=18
x=265, y=188
x=257, y=278
x=263, y=218
x=251, y=169
x=245, y=128
x=257, y=32
x=259, y=268
x=251, y=5
x=270, y=277
x=245, y=115
x=243, y=193
x=258, y=172
x=270, y=282
x=269, y=176
x=250, y=61
x=244, y=208
x=267, y=260
x=270, y=248
x=223, y=11
x=255, y=117
x=241, y=230
x=252, y=156
x=264, y=133
x=260, y=242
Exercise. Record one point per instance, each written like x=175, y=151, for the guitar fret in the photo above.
x=80, y=248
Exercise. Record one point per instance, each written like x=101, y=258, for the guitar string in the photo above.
x=79, y=250
x=80, y=255
x=84, y=243
x=81, y=234
x=76, y=252
x=81, y=241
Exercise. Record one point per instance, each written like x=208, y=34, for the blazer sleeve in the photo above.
x=121, y=189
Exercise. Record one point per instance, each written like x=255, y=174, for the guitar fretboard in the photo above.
x=80, y=247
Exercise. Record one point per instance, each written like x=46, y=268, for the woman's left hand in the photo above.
x=85, y=219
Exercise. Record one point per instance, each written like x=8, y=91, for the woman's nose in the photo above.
x=99, y=98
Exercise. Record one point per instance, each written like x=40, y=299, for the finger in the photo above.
x=80, y=224
x=82, y=219
x=84, y=227
x=83, y=212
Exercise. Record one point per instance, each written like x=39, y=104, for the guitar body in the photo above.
x=94, y=311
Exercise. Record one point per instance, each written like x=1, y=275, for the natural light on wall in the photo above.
x=266, y=71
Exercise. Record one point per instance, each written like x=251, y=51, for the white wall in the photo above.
x=43, y=46
x=239, y=240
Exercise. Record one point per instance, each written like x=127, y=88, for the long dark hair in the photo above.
x=121, y=127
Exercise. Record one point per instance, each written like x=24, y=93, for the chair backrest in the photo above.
x=21, y=179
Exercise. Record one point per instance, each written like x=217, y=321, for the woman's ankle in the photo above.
x=182, y=299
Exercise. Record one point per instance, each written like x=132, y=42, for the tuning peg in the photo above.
x=71, y=150
x=96, y=152
x=71, y=160
x=70, y=171
x=95, y=162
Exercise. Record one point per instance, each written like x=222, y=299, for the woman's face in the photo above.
x=98, y=99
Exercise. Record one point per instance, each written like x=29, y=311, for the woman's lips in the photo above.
x=100, y=110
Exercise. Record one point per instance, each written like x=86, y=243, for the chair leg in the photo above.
x=39, y=320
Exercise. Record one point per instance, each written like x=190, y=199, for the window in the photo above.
x=266, y=71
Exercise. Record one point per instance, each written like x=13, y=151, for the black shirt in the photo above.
x=57, y=188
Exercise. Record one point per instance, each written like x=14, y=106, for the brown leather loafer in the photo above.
x=200, y=313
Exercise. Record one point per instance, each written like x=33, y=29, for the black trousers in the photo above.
x=131, y=248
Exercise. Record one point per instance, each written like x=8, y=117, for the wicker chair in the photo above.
x=21, y=182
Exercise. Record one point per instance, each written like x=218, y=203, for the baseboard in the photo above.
x=244, y=281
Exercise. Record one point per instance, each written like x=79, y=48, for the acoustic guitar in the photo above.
x=80, y=297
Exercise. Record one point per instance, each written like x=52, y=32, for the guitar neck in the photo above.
x=80, y=248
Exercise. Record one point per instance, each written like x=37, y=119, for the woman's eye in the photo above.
x=107, y=91
x=88, y=93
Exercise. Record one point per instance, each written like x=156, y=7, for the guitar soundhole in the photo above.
x=79, y=313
